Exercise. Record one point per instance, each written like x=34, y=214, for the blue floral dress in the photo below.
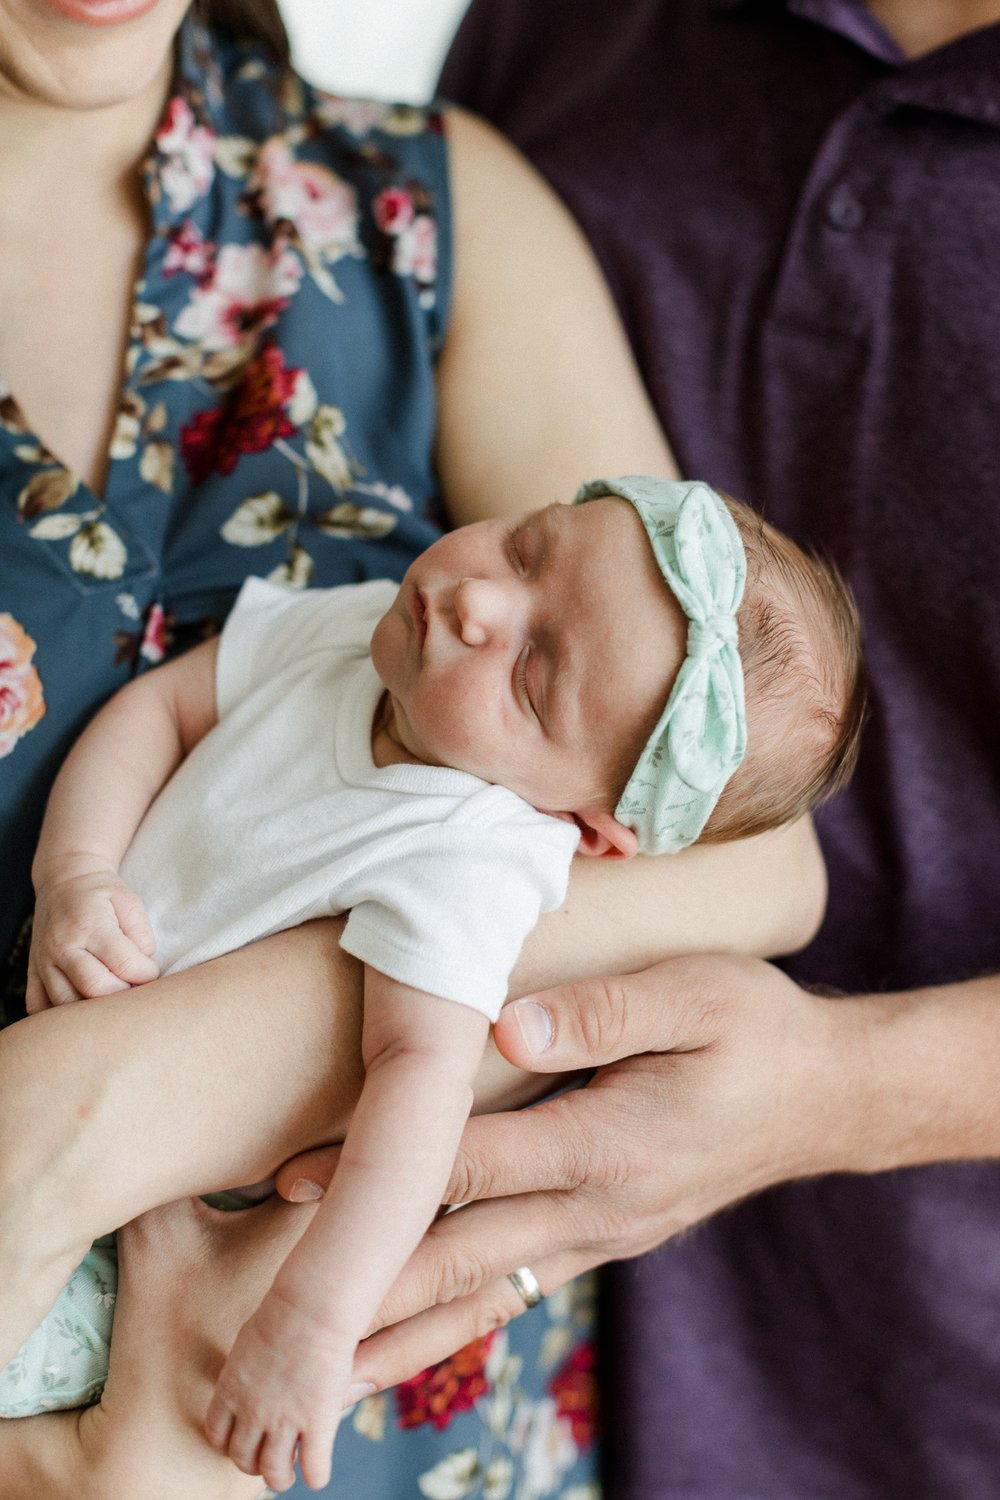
x=277, y=417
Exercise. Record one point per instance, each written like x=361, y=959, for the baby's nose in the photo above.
x=481, y=610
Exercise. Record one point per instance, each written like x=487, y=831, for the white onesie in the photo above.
x=280, y=814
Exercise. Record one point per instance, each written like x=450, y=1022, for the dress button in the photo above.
x=844, y=210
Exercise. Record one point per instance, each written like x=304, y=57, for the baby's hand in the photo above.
x=90, y=936
x=282, y=1388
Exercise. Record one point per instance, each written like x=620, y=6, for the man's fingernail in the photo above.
x=303, y=1190
x=359, y=1392
x=536, y=1025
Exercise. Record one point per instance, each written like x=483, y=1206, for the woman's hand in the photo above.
x=717, y=1077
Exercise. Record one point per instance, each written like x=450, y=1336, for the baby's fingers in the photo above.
x=88, y=977
x=277, y=1458
x=133, y=920
x=244, y=1445
x=315, y=1449
x=119, y=954
x=36, y=997
x=54, y=986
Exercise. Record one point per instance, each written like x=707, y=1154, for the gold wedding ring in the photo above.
x=525, y=1283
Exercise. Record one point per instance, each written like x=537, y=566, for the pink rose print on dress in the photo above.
x=188, y=250
x=189, y=149
x=416, y=250
x=22, y=702
x=253, y=416
x=413, y=236
x=153, y=647
x=574, y=1390
x=441, y=1392
x=310, y=207
x=393, y=210
x=247, y=288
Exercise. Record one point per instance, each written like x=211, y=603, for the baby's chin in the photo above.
x=386, y=650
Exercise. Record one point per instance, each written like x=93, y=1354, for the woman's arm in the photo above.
x=537, y=386
x=218, y=1074
x=215, y=1075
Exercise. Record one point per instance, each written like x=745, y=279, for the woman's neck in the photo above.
x=54, y=157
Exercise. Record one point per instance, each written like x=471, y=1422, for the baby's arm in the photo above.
x=91, y=935
x=286, y=1378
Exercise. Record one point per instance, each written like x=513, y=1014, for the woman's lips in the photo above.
x=102, y=12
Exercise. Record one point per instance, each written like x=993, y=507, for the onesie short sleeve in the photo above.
x=450, y=906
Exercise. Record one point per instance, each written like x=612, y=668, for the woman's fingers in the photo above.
x=306, y=1177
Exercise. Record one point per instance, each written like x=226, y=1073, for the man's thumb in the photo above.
x=581, y=1025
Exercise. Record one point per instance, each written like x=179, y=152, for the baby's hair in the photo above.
x=800, y=643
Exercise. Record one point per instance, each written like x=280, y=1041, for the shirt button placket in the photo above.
x=845, y=210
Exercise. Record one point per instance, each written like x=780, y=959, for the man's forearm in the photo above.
x=923, y=1067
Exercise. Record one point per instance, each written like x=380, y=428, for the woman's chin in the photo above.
x=85, y=55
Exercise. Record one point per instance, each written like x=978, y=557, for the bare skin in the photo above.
x=921, y=26
x=172, y=1332
x=262, y=1053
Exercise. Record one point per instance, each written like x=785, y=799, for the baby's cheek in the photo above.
x=464, y=723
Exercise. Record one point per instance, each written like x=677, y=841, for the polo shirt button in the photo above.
x=844, y=210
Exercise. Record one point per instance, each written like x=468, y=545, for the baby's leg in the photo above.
x=192, y=1083
x=187, y=1085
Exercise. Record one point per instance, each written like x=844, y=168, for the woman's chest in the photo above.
x=66, y=299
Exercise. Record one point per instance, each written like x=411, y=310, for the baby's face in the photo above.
x=531, y=652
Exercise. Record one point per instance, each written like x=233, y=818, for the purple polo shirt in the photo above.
x=803, y=233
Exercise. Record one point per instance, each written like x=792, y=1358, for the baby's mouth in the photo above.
x=418, y=610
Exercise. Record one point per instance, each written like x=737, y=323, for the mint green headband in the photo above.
x=701, y=736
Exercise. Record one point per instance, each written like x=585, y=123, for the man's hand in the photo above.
x=716, y=1077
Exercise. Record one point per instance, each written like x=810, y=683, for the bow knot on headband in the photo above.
x=705, y=637
x=700, y=738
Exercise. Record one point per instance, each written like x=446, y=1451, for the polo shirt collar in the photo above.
x=962, y=78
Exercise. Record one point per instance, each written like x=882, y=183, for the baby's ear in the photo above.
x=601, y=835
